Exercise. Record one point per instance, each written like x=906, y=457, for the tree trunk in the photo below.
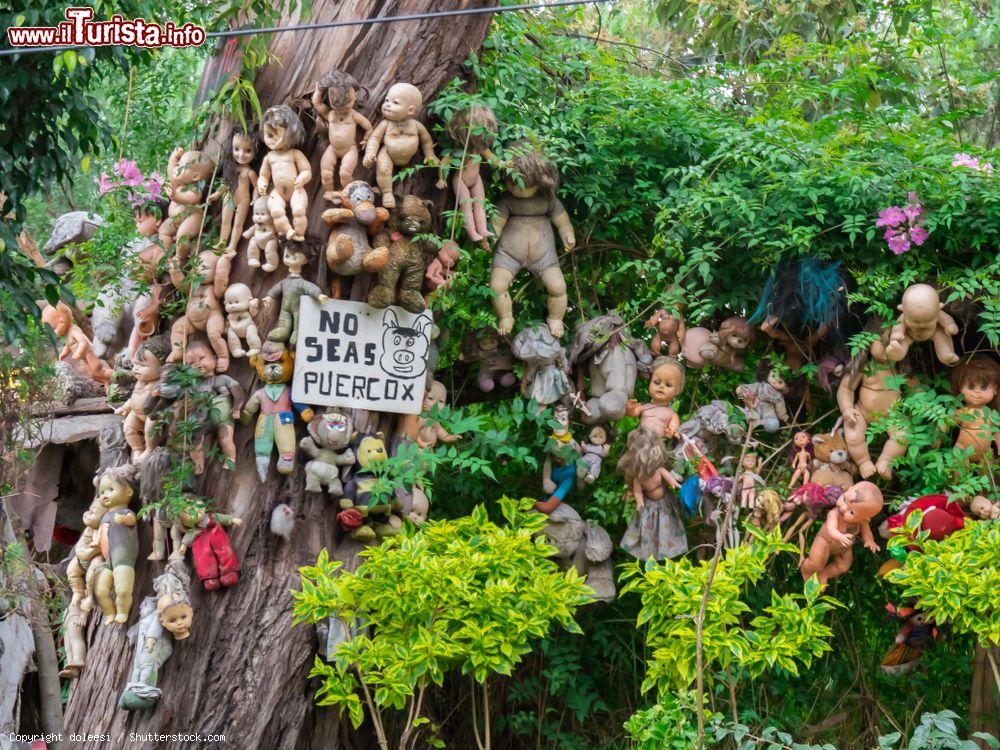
x=242, y=673
x=984, y=706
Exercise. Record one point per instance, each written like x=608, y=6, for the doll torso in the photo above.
x=243, y=192
x=284, y=171
x=653, y=488
x=469, y=171
x=201, y=305
x=402, y=140
x=974, y=430
x=240, y=322
x=875, y=397
x=528, y=237
x=119, y=542
x=341, y=129
x=656, y=418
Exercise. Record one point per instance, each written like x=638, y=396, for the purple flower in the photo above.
x=912, y=212
x=918, y=235
x=892, y=216
x=898, y=242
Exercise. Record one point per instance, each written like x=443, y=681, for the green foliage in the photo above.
x=957, y=580
x=937, y=732
x=463, y=595
x=667, y=724
x=788, y=632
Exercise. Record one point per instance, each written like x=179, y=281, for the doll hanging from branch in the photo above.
x=475, y=129
x=237, y=194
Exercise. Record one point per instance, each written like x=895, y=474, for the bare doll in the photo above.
x=262, y=237
x=665, y=384
x=526, y=214
x=203, y=313
x=146, y=365
x=86, y=558
x=395, y=141
x=832, y=550
x=287, y=170
x=473, y=130
x=188, y=173
x=749, y=479
x=656, y=530
x=802, y=460
x=922, y=318
x=333, y=100
x=237, y=194
x=241, y=306
x=978, y=383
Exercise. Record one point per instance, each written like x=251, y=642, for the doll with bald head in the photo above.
x=832, y=550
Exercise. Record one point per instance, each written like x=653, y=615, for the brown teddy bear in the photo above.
x=411, y=216
x=831, y=461
x=352, y=226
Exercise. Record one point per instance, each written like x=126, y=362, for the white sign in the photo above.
x=351, y=354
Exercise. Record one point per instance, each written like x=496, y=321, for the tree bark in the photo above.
x=984, y=706
x=242, y=673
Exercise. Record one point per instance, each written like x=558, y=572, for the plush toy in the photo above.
x=832, y=461
x=666, y=383
x=723, y=348
x=559, y=468
x=334, y=99
x=241, y=306
x=286, y=170
x=670, y=330
x=283, y=521
x=203, y=314
x=276, y=423
x=495, y=364
x=328, y=445
x=353, y=227
x=237, y=193
x=188, y=174
x=765, y=399
x=916, y=632
x=940, y=517
x=78, y=346
x=922, y=318
x=584, y=546
x=525, y=216
x=832, y=550
x=364, y=520
x=474, y=130
x=405, y=267
x=397, y=138
x=291, y=290
x=702, y=433
x=977, y=381
x=146, y=367
x=119, y=543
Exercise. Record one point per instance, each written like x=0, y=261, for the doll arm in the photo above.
x=236, y=391
x=321, y=109
x=364, y=122
x=175, y=157
x=867, y=538
x=308, y=445
x=444, y=436
x=227, y=519
x=302, y=167
x=633, y=408
x=947, y=322
x=274, y=293
x=637, y=493
x=845, y=397
x=188, y=195
x=832, y=529
x=345, y=458
x=560, y=219
x=427, y=145
x=780, y=409
x=673, y=424
x=252, y=406
x=374, y=143
x=304, y=410
x=125, y=519
x=669, y=478
x=212, y=197
x=265, y=175
x=249, y=232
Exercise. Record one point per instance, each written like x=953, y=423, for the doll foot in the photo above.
x=211, y=584
x=252, y=352
x=86, y=604
x=138, y=458
x=505, y=326
x=286, y=464
x=331, y=196
x=866, y=469
x=121, y=618
x=253, y=263
x=229, y=579
x=109, y=619
x=222, y=364
x=388, y=201
x=69, y=673
x=268, y=267
x=950, y=359
x=555, y=327
x=153, y=557
x=884, y=470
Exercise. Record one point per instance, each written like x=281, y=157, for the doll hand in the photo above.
x=268, y=302
x=234, y=413
x=872, y=546
x=851, y=417
x=569, y=241
x=322, y=299
x=441, y=184
x=299, y=182
x=845, y=540
x=639, y=503
x=431, y=161
x=261, y=186
x=237, y=521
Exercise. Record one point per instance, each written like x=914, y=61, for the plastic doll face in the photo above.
x=177, y=619
x=861, y=502
x=274, y=136
x=147, y=367
x=665, y=384
x=91, y=518
x=776, y=381
x=201, y=358
x=237, y=300
x=749, y=462
x=561, y=415
x=59, y=317
x=435, y=396
x=801, y=439
x=146, y=224
x=112, y=493
x=401, y=102
x=294, y=259
x=243, y=150
x=978, y=394
x=598, y=436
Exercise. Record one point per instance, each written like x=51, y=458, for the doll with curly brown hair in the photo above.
x=977, y=381
x=334, y=100
x=474, y=130
x=656, y=530
x=286, y=171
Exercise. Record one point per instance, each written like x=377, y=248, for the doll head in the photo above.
x=339, y=88
x=666, y=381
x=59, y=317
x=977, y=381
x=92, y=517
x=148, y=216
x=802, y=440
x=149, y=358
x=282, y=128
x=435, y=395
x=201, y=357
x=261, y=213
x=239, y=299
x=560, y=413
x=115, y=487
x=979, y=506
x=530, y=172
x=475, y=126
x=241, y=152
x=295, y=255
x=597, y=435
x=768, y=373
x=192, y=167
x=402, y=101
x=175, y=614
x=749, y=462
x=736, y=333
x=644, y=455
x=920, y=306
x=861, y=502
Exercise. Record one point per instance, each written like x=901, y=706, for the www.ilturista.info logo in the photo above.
x=79, y=30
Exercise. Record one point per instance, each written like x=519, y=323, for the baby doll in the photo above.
x=802, y=460
x=86, y=559
x=438, y=274
x=665, y=384
x=119, y=542
x=262, y=237
x=146, y=366
x=832, y=550
x=237, y=193
x=423, y=430
x=922, y=319
x=670, y=330
x=74, y=640
x=526, y=214
x=333, y=100
x=749, y=478
x=224, y=397
x=241, y=306
x=173, y=602
x=977, y=381
x=203, y=313
x=559, y=469
x=984, y=509
x=287, y=170
x=152, y=649
x=78, y=346
x=765, y=399
x=656, y=530
x=395, y=141
x=594, y=452
x=188, y=173
x=291, y=290
x=146, y=307
x=475, y=130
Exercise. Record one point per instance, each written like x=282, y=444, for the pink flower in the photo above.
x=154, y=185
x=965, y=160
x=912, y=212
x=898, y=242
x=129, y=172
x=918, y=235
x=892, y=216
x=105, y=184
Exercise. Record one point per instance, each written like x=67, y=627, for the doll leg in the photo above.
x=103, y=586
x=270, y=255
x=327, y=165
x=895, y=447
x=87, y=603
x=348, y=163
x=239, y=221
x=383, y=293
x=839, y=565
x=253, y=340
x=263, y=443
x=253, y=253
x=159, y=551
x=819, y=555
x=276, y=205
x=479, y=208
x=124, y=577
x=187, y=235
x=225, y=556
x=383, y=177
x=226, y=228
x=857, y=444
x=224, y=436
x=555, y=283
x=500, y=280
x=134, y=429
x=944, y=347
x=223, y=267
x=215, y=328
x=206, y=566
x=465, y=204
x=179, y=332
x=284, y=439
x=235, y=345
x=300, y=204
x=197, y=455
x=75, y=573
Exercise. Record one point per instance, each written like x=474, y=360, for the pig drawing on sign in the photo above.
x=404, y=349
